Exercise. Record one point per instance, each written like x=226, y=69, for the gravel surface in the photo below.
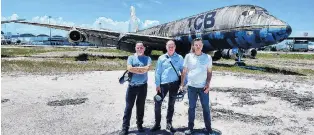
x=93, y=103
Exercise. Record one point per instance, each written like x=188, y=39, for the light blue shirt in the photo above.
x=164, y=72
x=197, y=69
x=139, y=61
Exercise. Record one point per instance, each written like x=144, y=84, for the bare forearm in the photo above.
x=183, y=76
x=209, y=77
x=139, y=70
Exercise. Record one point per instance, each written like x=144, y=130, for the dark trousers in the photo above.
x=193, y=93
x=138, y=92
x=173, y=90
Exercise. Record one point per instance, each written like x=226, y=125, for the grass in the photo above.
x=60, y=66
x=99, y=64
x=9, y=52
x=286, y=56
x=28, y=51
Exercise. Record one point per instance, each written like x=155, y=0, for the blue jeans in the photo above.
x=193, y=93
x=139, y=93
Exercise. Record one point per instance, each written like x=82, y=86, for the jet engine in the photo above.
x=228, y=54
x=250, y=53
x=217, y=55
x=76, y=36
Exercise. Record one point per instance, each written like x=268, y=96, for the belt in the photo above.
x=170, y=83
x=137, y=85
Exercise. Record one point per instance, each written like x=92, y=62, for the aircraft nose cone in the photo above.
x=288, y=30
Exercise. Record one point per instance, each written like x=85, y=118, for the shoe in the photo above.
x=188, y=132
x=209, y=132
x=170, y=128
x=123, y=132
x=155, y=128
x=140, y=128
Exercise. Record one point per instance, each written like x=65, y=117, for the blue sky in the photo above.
x=114, y=14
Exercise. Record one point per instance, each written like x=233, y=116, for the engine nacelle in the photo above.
x=228, y=54
x=250, y=53
x=76, y=36
x=217, y=55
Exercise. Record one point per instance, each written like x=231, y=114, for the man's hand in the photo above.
x=181, y=88
x=158, y=89
x=206, y=89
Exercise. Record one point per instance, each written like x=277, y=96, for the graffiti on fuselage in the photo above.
x=185, y=26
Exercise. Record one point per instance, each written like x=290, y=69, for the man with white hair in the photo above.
x=167, y=78
x=138, y=64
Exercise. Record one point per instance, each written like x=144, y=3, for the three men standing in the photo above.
x=167, y=79
x=196, y=66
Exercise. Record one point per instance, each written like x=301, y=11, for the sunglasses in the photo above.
x=197, y=39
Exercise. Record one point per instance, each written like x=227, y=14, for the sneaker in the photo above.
x=188, y=132
x=170, y=127
x=155, y=128
x=140, y=128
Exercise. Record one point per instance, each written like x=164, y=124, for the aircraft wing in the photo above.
x=302, y=38
x=105, y=33
x=68, y=28
x=9, y=21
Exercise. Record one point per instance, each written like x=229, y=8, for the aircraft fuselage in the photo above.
x=239, y=26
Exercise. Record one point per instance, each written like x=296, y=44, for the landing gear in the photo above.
x=239, y=61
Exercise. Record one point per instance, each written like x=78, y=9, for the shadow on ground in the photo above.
x=263, y=69
x=180, y=131
x=67, y=102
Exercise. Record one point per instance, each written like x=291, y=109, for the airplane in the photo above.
x=228, y=31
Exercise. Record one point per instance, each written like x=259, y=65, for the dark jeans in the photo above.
x=193, y=93
x=173, y=90
x=132, y=92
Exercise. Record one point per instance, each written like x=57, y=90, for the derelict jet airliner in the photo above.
x=223, y=30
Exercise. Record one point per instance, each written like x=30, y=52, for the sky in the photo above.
x=115, y=14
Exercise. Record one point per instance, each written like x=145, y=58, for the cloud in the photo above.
x=101, y=22
x=12, y=17
x=108, y=23
x=156, y=1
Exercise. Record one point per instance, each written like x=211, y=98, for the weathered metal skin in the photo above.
x=239, y=26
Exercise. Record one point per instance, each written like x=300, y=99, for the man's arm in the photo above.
x=147, y=67
x=185, y=70
x=135, y=70
x=209, y=76
x=158, y=72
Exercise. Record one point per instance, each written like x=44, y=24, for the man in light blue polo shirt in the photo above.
x=167, y=79
x=138, y=64
x=198, y=66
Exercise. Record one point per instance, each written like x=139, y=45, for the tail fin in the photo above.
x=133, y=23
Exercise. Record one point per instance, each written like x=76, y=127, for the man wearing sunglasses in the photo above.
x=198, y=66
x=138, y=64
x=167, y=79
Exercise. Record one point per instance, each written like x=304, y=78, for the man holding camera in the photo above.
x=167, y=78
x=138, y=64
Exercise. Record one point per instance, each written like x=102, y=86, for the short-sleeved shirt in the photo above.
x=139, y=61
x=197, y=69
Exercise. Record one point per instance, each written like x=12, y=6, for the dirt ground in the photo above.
x=93, y=103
